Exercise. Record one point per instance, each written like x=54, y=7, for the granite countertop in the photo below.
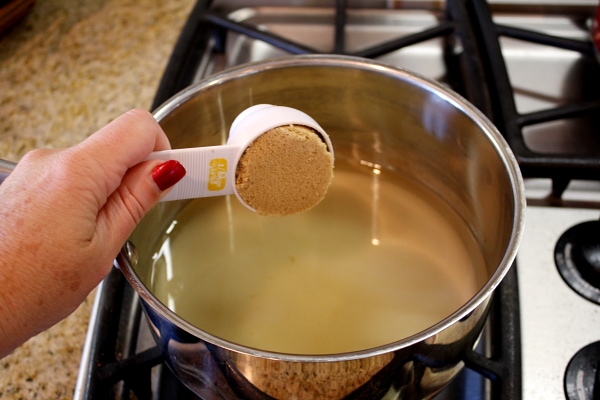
x=66, y=70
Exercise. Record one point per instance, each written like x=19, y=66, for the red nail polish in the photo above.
x=167, y=174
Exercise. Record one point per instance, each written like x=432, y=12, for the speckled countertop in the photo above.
x=65, y=71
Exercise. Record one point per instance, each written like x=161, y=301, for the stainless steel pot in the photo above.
x=373, y=112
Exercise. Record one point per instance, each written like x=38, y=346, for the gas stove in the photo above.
x=530, y=66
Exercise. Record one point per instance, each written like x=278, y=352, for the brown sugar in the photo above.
x=285, y=171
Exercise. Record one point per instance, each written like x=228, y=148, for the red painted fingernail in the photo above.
x=167, y=174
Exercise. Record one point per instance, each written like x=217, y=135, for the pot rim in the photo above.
x=124, y=258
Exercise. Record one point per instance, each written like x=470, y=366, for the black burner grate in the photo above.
x=561, y=168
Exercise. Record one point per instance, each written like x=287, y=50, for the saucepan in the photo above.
x=378, y=117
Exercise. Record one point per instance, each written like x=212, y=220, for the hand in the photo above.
x=64, y=216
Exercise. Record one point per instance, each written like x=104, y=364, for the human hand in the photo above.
x=65, y=214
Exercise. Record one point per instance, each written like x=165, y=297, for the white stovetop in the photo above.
x=555, y=321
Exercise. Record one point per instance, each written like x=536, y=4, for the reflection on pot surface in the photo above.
x=380, y=259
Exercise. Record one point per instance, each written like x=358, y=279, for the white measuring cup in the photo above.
x=211, y=170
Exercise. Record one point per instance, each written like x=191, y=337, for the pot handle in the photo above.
x=6, y=167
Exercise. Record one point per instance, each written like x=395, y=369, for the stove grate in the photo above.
x=560, y=168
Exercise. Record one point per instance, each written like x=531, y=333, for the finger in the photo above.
x=117, y=147
x=133, y=134
x=122, y=144
x=141, y=188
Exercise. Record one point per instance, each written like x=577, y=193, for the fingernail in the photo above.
x=167, y=174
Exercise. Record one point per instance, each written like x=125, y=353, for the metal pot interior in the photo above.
x=371, y=112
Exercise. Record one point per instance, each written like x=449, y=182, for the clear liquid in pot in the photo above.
x=379, y=259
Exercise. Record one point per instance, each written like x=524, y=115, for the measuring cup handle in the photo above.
x=210, y=171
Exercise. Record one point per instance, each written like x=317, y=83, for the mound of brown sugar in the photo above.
x=285, y=171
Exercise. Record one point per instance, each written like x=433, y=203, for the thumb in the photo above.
x=140, y=189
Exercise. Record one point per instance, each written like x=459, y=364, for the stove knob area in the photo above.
x=581, y=377
x=577, y=257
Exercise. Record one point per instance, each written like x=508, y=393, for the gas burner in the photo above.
x=581, y=377
x=577, y=256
